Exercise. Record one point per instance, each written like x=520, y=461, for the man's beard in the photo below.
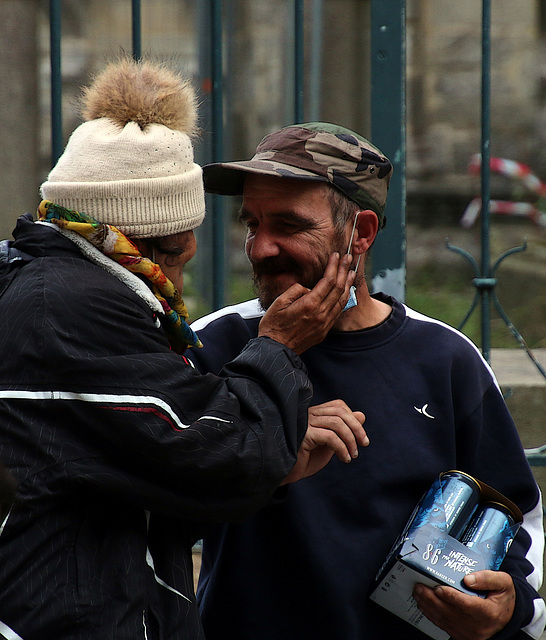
x=267, y=290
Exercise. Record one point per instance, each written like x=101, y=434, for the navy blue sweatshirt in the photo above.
x=303, y=569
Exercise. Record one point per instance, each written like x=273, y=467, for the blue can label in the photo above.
x=490, y=533
x=449, y=504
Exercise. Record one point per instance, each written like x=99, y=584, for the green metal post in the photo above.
x=315, y=65
x=485, y=291
x=56, y=80
x=218, y=252
x=388, y=127
x=298, y=60
x=137, y=30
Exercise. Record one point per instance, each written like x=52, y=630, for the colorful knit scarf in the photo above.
x=112, y=243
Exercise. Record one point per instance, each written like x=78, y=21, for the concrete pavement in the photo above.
x=515, y=367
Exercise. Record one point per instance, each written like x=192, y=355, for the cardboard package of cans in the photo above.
x=461, y=525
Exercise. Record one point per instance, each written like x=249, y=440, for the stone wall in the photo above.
x=443, y=77
x=444, y=86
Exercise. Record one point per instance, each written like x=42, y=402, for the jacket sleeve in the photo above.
x=103, y=402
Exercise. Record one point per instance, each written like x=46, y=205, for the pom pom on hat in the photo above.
x=144, y=93
x=131, y=163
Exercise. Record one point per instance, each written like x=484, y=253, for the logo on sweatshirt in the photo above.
x=423, y=411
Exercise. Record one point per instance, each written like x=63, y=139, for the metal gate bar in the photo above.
x=56, y=83
x=136, y=29
x=217, y=115
x=388, y=70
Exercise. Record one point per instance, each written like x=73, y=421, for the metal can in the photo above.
x=449, y=503
x=490, y=533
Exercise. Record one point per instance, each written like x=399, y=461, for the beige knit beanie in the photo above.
x=131, y=163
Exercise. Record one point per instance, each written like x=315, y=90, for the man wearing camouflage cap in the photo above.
x=303, y=569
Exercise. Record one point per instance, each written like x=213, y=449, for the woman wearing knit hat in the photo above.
x=122, y=452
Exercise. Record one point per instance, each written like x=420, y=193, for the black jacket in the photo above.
x=122, y=452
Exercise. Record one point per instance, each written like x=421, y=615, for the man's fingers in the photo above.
x=467, y=617
x=343, y=432
x=288, y=297
x=348, y=427
x=345, y=279
x=300, y=318
x=336, y=416
x=330, y=439
x=338, y=407
x=489, y=581
x=334, y=286
x=333, y=429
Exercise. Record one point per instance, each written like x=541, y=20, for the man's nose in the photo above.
x=262, y=244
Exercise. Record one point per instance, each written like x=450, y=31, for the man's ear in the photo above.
x=367, y=225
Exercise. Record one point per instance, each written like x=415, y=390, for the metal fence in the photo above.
x=387, y=107
x=387, y=117
x=485, y=281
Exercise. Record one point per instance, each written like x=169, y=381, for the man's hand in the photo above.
x=300, y=318
x=467, y=617
x=332, y=428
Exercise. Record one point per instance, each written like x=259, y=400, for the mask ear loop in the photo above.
x=352, y=301
x=351, y=241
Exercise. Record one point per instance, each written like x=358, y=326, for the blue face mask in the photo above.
x=352, y=301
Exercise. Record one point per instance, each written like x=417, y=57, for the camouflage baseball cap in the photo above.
x=313, y=151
